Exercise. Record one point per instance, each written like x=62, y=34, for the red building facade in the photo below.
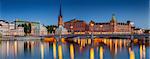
x=99, y=28
x=111, y=27
x=76, y=25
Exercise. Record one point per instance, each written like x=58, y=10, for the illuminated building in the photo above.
x=138, y=31
x=112, y=27
x=43, y=30
x=76, y=26
x=4, y=27
x=7, y=28
x=36, y=28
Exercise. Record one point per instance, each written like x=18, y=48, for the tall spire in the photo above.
x=113, y=18
x=60, y=20
x=60, y=12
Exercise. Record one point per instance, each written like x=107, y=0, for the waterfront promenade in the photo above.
x=109, y=36
x=22, y=38
x=129, y=36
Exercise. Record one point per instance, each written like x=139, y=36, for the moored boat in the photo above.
x=49, y=39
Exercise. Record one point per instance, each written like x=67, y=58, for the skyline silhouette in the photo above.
x=47, y=11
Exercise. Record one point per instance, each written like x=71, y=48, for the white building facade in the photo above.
x=8, y=29
x=43, y=30
x=4, y=27
x=16, y=28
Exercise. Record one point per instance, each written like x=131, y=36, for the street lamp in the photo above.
x=71, y=27
x=101, y=28
x=92, y=29
x=92, y=25
x=54, y=30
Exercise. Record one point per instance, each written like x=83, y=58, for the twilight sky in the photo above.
x=47, y=11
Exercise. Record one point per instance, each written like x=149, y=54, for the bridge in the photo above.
x=126, y=36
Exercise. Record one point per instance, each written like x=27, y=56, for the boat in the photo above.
x=49, y=39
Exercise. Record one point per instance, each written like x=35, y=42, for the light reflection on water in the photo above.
x=80, y=49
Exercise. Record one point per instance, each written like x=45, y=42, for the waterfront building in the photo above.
x=147, y=31
x=19, y=22
x=138, y=31
x=11, y=25
x=16, y=28
x=4, y=27
x=19, y=31
x=76, y=26
x=35, y=26
x=112, y=27
x=7, y=29
x=43, y=30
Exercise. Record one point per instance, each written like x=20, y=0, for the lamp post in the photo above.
x=101, y=29
x=92, y=25
x=71, y=27
x=54, y=30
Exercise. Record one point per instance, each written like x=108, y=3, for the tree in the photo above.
x=27, y=28
x=51, y=28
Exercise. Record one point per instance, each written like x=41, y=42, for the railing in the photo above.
x=107, y=35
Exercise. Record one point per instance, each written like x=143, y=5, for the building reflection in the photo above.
x=120, y=44
x=101, y=51
x=131, y=53
x=42, y=50
x=113, y=49
x=54, y=50
x=60, y=56
x=32, y=47
x=124, y=43
x=111, y=46
x=27, y=47
x=71, y=51
x=15, y=48
x=7, y=48
x=91, y=53
x=111, y=43
x=142, y=52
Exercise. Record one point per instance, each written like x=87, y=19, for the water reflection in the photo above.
x=131, y=53
x=92, y=53
x=116, y=46
x=54, y=50
x=27, y=47
x=120, y=44
x=71, y=51
x=42, y=51
x=101, y=52
x=7, y=54
x=60, y=56
x=142, y=51
x=76, y=49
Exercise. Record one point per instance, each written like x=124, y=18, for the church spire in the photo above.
x=113, y=18
x=60, y=20
x=60, y=12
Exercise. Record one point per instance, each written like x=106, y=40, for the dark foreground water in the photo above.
x=106, y=49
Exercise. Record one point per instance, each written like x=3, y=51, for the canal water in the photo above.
x=78, y=49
